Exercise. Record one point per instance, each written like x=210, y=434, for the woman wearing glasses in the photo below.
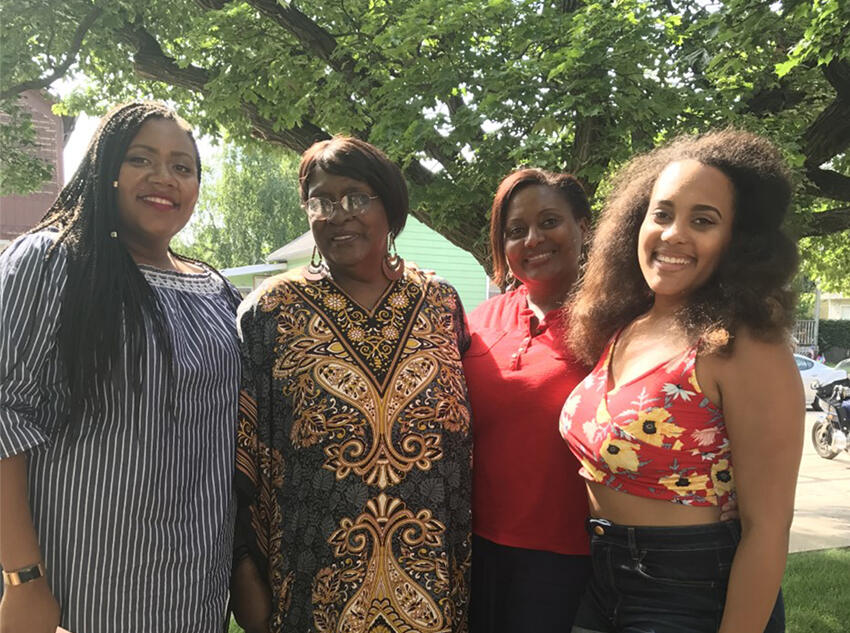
x=354, y=446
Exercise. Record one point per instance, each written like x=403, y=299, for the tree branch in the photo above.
x=58, y=71
x=829, y=184
x=826, y=222
x=151, y=62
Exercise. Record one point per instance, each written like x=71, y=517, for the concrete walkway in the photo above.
x=822, y=507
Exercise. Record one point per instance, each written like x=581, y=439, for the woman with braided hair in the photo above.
x=119, y=371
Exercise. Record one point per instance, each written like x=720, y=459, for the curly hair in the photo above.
x=748, y=288
x=568, y=186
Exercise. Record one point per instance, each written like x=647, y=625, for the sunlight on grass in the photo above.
x=816, y=588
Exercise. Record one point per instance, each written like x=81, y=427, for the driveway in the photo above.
x=822, y=507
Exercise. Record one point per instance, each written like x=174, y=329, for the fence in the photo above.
x=805, y=333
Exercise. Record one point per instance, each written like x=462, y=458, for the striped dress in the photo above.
x=134, y=513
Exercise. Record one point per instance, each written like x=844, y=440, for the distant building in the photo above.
x=834, y=306
x=18, y=214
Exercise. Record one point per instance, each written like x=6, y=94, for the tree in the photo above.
x=461, y=91
x=251, y=207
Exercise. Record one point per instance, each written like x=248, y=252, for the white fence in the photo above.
x=805, y=333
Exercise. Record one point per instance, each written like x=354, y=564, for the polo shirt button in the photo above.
x=598, y=530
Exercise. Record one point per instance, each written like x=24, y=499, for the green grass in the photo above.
x=816, y=589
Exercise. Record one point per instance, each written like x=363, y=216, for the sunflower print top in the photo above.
x=655, y=436
x=353, y=464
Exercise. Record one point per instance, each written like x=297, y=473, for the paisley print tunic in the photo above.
x=354, y=455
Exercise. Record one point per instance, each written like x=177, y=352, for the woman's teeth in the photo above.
x=668, y=259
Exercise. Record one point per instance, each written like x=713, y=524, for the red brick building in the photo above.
x=20, y=213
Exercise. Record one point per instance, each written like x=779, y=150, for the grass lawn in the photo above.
x=816, y=589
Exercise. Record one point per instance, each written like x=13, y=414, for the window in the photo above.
x=803, y=363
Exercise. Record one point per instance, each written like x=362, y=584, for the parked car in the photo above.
x=812, y=370
x=844, y=364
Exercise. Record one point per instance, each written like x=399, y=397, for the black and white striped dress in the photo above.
x=134, y=514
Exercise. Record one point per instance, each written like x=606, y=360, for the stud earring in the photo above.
x=113, y=234
x=115, y=184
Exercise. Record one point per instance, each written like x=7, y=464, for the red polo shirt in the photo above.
x=526, y=488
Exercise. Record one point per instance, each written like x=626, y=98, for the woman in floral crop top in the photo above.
x=695, y=398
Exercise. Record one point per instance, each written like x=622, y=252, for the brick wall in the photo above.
x=20, y=213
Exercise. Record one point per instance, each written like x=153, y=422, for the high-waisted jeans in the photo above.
x=661, y=579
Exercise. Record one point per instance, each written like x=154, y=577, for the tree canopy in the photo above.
x=248, y=207
x=460, y=92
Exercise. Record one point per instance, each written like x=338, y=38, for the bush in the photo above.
x=834, y=334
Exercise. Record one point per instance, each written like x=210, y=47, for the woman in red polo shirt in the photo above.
x=530, y=549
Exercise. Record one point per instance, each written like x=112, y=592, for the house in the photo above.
x=18, y=214
x=834, y=306
x=417, y=244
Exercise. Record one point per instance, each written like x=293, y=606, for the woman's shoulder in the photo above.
x=498, y=311
x=33, y=250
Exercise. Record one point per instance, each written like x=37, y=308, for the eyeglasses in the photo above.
x=351, y=204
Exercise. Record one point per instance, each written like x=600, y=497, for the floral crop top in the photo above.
x=655, y=436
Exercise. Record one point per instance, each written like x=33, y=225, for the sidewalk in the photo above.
x=822, y=507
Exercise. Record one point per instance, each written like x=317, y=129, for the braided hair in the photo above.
x=106, y=296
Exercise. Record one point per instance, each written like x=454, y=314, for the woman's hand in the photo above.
x=729, y=510
x=250, y=597
x=29, y=607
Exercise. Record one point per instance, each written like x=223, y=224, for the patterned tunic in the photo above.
x=354, y=455
x=135, y=513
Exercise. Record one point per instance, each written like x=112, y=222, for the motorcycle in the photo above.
x=831, y=430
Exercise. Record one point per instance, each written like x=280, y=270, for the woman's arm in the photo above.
x=764, y=411
x=30, y=292
x=29, y=606
x=251, y=598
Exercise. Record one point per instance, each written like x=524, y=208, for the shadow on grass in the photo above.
x=817, y=591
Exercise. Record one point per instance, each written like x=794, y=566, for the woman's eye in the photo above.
x=549, y=223
x=137, y=160
x=660, y=215
x=183, y=169
x=703, y=222
x=515, y=232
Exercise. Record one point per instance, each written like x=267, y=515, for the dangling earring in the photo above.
x=510, y=280
x=392, y=264
x=316, y=269
x=115, y=184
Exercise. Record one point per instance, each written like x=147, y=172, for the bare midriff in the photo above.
x=627, y=509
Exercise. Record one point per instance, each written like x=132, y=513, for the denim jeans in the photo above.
x=661, y=579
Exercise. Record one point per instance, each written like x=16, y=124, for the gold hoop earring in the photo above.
x=392, y=264
x=316, y=269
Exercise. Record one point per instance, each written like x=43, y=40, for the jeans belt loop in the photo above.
x=633, y=550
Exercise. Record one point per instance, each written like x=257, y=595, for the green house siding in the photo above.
x=430, y=250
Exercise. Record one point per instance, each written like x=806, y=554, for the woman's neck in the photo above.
x=541, y=301
x=364, y=289
x=155, y=256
